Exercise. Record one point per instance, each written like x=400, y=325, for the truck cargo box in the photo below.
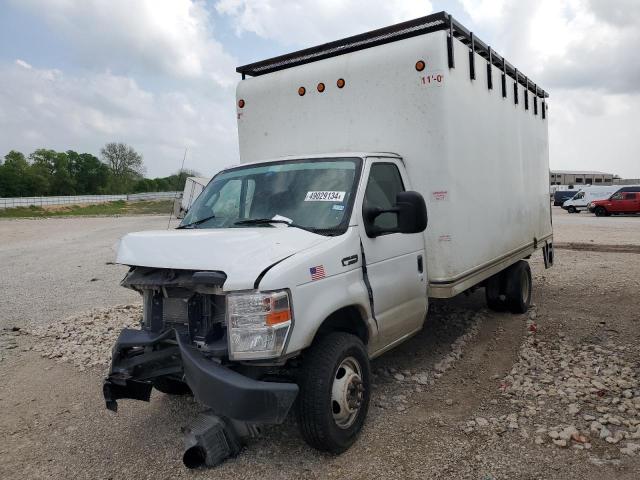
x=473, y=138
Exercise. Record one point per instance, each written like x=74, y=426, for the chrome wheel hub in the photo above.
x=347, y=392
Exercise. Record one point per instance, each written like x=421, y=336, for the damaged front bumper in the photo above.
x=139, y=356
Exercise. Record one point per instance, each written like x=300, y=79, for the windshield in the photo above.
x=314, y=194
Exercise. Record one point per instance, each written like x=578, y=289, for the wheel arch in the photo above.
x=348, y=319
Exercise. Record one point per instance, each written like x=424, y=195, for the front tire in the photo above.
x=335, y=388
x=600, y=212
x=571, y=209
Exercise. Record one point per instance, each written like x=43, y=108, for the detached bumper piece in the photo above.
x=140, y=356
x=209, y=441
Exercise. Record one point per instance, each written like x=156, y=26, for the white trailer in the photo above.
x=292, y=270
x=192, y=188
x=581, y=200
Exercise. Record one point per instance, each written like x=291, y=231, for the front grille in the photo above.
x=202, y=315
x=175, y=310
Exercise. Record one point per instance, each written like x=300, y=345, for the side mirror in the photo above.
x=411, y=212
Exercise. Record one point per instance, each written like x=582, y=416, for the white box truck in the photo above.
x=314, y=255
x=587, y=194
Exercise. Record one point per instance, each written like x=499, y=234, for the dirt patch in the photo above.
x=593, y=247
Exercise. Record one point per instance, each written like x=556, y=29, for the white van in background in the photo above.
x=586, y=195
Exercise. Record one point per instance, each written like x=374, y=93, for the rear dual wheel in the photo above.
x=510, y=290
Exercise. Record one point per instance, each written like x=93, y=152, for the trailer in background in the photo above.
x=192, y=188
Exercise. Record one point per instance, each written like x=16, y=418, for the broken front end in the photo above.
x=225, y=348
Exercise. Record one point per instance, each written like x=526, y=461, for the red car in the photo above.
x=625, y=200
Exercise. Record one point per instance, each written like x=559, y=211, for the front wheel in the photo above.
x=571, y=209
x=600, y=212
x=335, y=388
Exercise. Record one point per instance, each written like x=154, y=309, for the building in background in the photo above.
x=578, y=177
x=626, y=181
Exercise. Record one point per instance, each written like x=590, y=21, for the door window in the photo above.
x=384, y=183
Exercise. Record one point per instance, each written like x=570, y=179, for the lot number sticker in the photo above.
x=324, y=196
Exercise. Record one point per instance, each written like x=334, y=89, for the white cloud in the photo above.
x=594, y=132
x=48, y=109
x=173, y=37
x=23, y=64
x=566, y=43
x=583, y=53
x=307, y=22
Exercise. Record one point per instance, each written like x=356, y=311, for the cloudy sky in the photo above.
x=160, y=74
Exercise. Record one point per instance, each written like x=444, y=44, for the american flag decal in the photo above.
x=317, y=272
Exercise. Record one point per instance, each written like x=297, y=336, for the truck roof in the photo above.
x=321, y=155
x=400, y=31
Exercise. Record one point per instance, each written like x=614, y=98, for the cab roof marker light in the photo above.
x=420, y=65
x=302, y=91
x=340, y=83
x=321, y=87
x=241, y=103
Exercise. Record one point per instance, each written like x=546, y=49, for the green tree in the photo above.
x=63, y=181
x=41, y=172
x=91, y=176
x=53, y=169
x=126, y=166
x=13, y=175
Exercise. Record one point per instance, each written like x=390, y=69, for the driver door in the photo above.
x=629, y=202
x=395, y=261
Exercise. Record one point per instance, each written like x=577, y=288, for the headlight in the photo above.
x=591, y=205
x=258, y=324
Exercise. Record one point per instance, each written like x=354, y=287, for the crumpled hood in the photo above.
x=241, y=253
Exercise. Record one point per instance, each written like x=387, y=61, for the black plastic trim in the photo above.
x=226, y=392
x=440, y=21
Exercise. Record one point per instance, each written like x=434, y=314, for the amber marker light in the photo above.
x=420, y=65
x=274, y=318
x=321, y=87
x=241, y=103
x=302, y=91
x=340, y=83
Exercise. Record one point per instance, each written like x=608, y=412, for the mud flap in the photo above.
x=548, y=254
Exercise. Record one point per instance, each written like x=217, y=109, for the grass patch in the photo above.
x=119, y=207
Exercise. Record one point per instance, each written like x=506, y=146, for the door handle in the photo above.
x=420, y=264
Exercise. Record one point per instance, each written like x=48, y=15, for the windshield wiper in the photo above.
x=197, y=222
x=263, y=221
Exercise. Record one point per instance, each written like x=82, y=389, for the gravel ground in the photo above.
x=53, y=268
x=585, y=227
x=477, y=394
